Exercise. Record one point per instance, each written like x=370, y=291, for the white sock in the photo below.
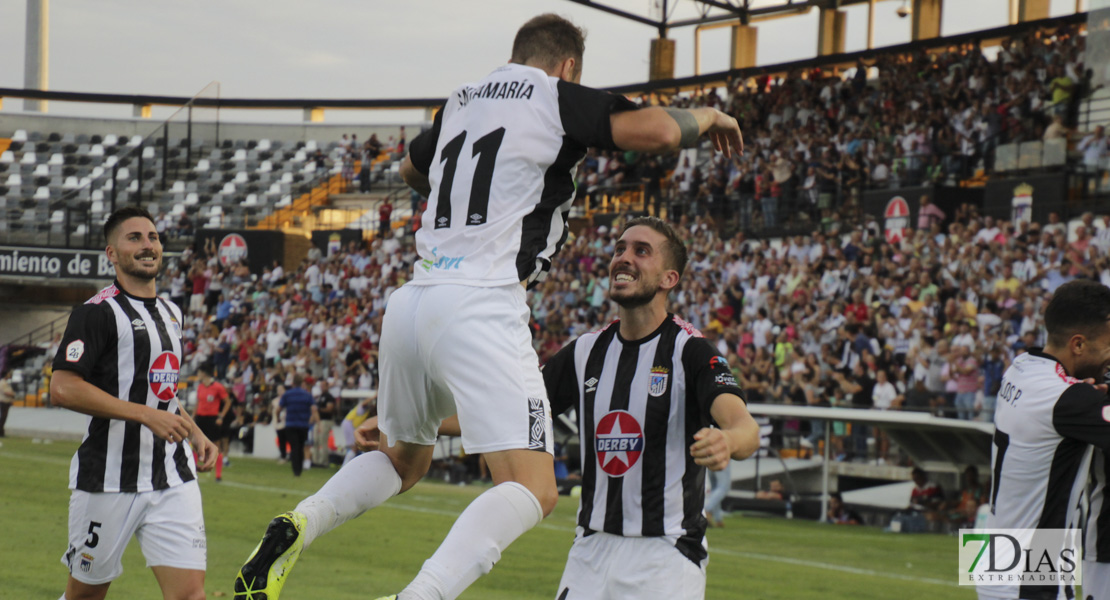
x=475, y=542
x=362, y=484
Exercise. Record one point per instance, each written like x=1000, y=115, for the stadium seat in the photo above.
x=148, y=153
x=285, y=201
x=20, y=135
x=310, y=146
x=264, y=145
x=239, y=156
x=71, y=183
x=135, y=140
x=42, y=170
x=252, y=200
x=57, y=159
x=192, y=199
x=202, y=165
x=43, y=193
x=111, y=140
x=7, y=157
x=28, y=158
x=300, y=156
x=266, y=167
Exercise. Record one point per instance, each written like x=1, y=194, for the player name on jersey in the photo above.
x=496, y=90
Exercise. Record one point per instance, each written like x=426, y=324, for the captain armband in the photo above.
x=687, y=124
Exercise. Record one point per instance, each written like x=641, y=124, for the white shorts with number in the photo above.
x=169, y=525
x=603, y=566
x=448, y=349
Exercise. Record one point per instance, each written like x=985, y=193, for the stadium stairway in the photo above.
x=318, y=196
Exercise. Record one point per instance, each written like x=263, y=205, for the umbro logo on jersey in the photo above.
x=591, y=384
x=138, y=325
x=443, y=221
x=476, y=218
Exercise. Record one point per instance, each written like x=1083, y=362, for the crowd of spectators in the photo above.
x=834, y=317
x=815, y=139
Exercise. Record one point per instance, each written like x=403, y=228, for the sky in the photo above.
x=382, y=49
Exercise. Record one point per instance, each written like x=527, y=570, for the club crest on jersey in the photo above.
x=657, y=385
x=176, y=327
x=164, y=375
x=618, y=442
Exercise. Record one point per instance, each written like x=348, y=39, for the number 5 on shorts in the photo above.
x=94, y=537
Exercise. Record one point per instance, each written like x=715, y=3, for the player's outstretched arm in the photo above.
x=658, y=129
x=69, y=390
x=737, y=438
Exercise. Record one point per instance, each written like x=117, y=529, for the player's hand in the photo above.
x=207, y=451
x=726, y=136
x=710, y=449
x=367, y=435
x=168, y=426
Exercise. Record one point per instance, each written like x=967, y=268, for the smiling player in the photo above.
x=656, y=406
x=134, y=473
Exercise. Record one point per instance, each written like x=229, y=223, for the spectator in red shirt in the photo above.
x=213, y=404
x=385, y=211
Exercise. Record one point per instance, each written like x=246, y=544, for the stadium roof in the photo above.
x=670, y=14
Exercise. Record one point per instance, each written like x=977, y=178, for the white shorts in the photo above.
x=603, y=566
x=1096, y=580
x=448, y=349
x=169, y=525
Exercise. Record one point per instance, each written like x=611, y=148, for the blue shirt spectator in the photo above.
x=298, y=404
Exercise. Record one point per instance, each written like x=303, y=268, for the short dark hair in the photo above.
x=1079, y=306
x=674, y=249
x=547, y=40
x=122, y=214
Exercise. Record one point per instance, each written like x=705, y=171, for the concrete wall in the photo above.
x=286, y=132
x=16, y=321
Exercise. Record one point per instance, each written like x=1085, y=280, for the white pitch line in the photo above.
x=831, y=567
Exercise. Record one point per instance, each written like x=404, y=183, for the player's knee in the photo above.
x=547, y=498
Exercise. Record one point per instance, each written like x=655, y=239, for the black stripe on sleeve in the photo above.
x=585, y=114
x=656, y=419
x=561, y=380
x=140, y=388
x=622, y=388
x=93, y=454
x=587, y=425
x=422, y=149
x=1078, y=415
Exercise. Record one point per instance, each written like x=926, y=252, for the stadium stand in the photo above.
x=792, y=276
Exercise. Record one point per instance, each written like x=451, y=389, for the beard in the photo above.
x=633, y=299
x=134, y=269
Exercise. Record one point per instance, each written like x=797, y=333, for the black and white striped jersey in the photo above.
x=1045, y=424
x=639, y=404
x=501, y=157
x=130, y=347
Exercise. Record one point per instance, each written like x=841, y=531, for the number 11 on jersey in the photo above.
x=485, y=149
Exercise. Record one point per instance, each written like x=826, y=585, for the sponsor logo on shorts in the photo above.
x=164, y=375
x=75, y=350
x=537, y=424
x=657, y=385
x=618, y=442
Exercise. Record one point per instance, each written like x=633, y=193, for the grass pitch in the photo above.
x=378, y=553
